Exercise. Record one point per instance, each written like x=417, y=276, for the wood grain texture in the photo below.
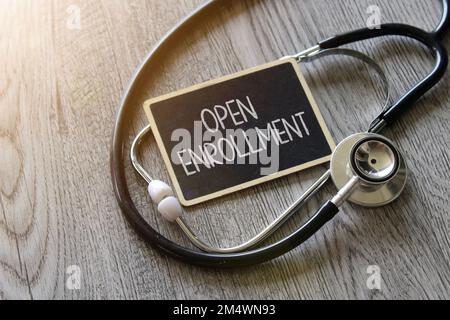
x=59, y=91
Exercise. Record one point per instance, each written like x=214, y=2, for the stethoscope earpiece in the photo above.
x=373, y=166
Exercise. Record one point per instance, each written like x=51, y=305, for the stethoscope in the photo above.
x=367, y=168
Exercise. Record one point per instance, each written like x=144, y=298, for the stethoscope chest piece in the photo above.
x=376, y=164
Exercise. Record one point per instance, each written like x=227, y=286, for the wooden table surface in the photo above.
x=60, y=86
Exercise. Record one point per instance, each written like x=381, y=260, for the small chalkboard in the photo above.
x=238, y=131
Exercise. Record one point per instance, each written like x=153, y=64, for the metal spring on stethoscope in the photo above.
x=305, y=56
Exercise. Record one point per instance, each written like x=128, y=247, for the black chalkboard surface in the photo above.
x=238, y=131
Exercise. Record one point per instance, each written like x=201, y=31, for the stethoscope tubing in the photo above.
x=430, y=40
x=325, y=214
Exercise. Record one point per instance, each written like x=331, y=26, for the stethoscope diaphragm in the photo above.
x=378, y=165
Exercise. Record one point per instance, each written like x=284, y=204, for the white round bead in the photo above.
x=158, y=190
x=170, y=209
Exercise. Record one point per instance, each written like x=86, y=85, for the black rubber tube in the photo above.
x=430, y=40
x=155, y=239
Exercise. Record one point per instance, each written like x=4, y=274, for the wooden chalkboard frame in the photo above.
x=214, y=195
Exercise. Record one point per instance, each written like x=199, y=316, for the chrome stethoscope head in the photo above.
x=370, y=169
